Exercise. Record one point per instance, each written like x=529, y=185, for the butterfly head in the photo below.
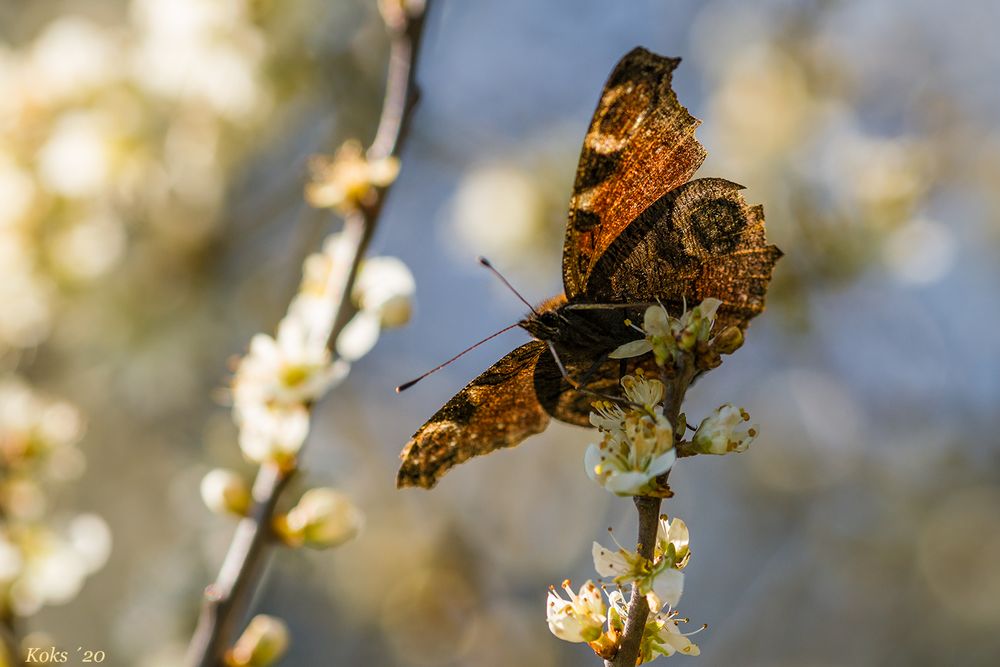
x=544, y=324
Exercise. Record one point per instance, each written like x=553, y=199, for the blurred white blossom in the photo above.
x=225, y=492
x=348, y=179
x=272, y=432
x=383, y=294
x=55, y=566
x=71, y=57
x=322, y=518
x=76, y=161
x=294, y=367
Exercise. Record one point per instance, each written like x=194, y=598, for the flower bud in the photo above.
x=225, y=492
x=263, y=642
x=322, y=518
x=724, y=431
x=728, y=341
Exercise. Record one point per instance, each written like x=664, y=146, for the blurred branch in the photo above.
x=11, y=640
x=649, y=519
x=226, y=600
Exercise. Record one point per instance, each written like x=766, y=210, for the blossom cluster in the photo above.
x=671, y=338
x=584, y=616
x=44, y=558
x=639, y=445
x=280, y=378
x=638, y=442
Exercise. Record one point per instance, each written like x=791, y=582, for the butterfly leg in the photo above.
x=562, y=369
x=581, y=385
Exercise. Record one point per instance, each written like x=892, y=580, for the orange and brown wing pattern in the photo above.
x=498, y=409
x=701, y=240
x=640, y=145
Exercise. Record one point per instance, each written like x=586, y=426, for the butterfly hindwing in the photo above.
x=640, y=145
x=498, y=409
x=701, y=240
x=602, y=378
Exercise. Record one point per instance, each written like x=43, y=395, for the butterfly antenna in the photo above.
x=485, y=262
x=407, y=385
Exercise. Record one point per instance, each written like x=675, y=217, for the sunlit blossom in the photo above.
x=637, y=444
x=725, y=430
x=661, y=636
x=658, y=579
x=580, y=616
x=666, y=335
x=294, y=367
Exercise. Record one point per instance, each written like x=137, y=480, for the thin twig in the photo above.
x=227, y=599
x=649, y=514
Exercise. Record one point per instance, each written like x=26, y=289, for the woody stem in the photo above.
x=676, y=384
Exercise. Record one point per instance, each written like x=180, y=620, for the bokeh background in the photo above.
x=152, y=159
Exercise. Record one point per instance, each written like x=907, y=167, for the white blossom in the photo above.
x=272, y=432
x=666, y=335
x=637, y=444
x=580, y=618
x=661, y=636
x=725, y=430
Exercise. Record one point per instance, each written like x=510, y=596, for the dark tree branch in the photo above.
x=227, y=599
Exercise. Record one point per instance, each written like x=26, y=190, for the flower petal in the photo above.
x=633, y=348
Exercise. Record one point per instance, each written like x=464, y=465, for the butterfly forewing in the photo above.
x=701, y=240
x=498, y=409
x=640, y=145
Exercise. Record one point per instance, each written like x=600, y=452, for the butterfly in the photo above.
x=639, y=232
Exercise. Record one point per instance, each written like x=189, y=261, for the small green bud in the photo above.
x=728, y=341
x=263, y=642
x=322, y=518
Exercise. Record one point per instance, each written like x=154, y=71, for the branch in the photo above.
x=638, y=608
x=10, y=639
x=649, y=515
x=227, y=599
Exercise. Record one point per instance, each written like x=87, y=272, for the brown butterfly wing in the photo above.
x=701, y=240
x=498, y=409
x=600, y=376
x=640, y=145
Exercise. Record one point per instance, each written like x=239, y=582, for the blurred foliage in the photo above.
x=152, y=163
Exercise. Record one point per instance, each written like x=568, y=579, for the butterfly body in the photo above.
x=639, y=232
